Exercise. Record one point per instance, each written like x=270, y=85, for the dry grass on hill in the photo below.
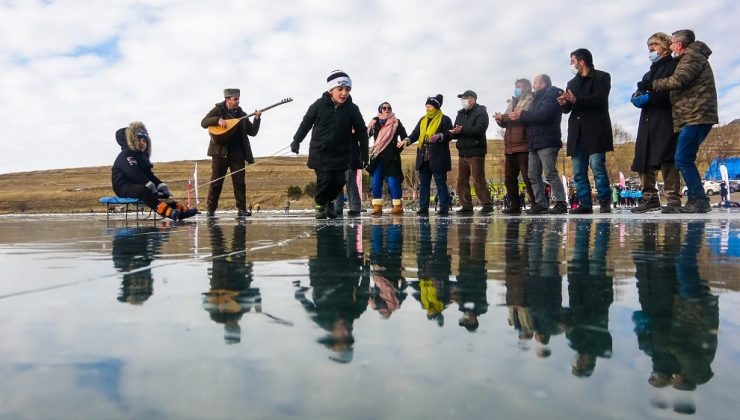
x=78, y=189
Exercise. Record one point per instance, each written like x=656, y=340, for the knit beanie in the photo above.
x=435, y=101
x=338, y=78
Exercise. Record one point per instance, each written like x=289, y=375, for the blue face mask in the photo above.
x=654, y=56
x=517, y=92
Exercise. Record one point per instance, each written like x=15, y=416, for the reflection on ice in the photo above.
x=618, y=309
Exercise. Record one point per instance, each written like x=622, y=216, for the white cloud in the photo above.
x=173, y=58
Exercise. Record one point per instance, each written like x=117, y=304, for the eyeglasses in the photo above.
x=386, y=107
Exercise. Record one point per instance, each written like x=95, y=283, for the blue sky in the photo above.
x=74, y=71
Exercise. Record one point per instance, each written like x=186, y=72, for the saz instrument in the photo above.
x=220, y=133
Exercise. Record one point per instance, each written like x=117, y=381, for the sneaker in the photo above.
x=559, y=208
x=646, y=206
x=353, y=213
x=605, y=206
x=330, y=211
x=211, y=213
x=536, y=209
x=444, y=213
x=676, y=207
x=464, y=211
x=243, y=213
x=512, y=211
x=697, y=206
x=321, y=211
x=422, y=212
x=487, y=209
x=582, y=210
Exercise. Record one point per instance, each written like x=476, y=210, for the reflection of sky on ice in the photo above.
x=98, y=321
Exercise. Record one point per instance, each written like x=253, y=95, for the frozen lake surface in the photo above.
x=282, y=316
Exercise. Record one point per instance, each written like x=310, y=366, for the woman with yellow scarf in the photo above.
x=432, y=154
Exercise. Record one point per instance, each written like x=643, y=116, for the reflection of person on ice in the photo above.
x=132, y=175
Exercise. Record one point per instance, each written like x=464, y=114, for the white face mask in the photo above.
x=573, y=69
x=464, y=103
x=654, y=56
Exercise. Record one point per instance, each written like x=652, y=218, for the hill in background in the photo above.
x=78, y=189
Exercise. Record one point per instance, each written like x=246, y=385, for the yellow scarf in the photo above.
x=428, y=129
x=429, y=299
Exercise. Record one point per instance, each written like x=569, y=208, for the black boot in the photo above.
x=700, y=205
x=653, y=204
x=321, y=211
x=330, y=211
x=561, y=207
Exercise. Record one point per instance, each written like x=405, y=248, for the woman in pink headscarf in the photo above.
x=385, y=158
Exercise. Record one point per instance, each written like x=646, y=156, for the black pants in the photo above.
x=515, y=164
x=141, y=192
x=219, y=166
x=328, y=185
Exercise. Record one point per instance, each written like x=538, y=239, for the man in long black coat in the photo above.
x=589, y=129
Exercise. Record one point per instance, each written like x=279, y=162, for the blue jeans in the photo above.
x=581, y=161
x=689, y=139
x=545, y=160
x=425, y=182
x=376, y=184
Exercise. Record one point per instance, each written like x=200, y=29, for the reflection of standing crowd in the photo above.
x=675, y=325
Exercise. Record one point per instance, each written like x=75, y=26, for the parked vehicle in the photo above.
x=734, y=186
x=710, y=188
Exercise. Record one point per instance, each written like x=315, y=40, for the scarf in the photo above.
x=521, y=103
x=429, y=125
x=385, y=135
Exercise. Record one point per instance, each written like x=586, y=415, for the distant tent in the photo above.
x=733, y=168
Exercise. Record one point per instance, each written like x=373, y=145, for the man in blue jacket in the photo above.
x=543, y=125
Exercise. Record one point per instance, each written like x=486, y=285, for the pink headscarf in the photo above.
x=386, y=133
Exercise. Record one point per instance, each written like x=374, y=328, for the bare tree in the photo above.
x=410, y=179
x=621, y=135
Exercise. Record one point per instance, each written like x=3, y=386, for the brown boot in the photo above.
x=377, y=207
x=397, y=207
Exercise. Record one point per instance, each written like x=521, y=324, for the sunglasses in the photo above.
x=386, y=107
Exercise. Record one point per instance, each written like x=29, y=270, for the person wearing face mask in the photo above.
x=656, y=143
x=694, y=109
x=590, y=135
x=470, y=128
x=542, y=121
x=385, y=158
x=335, y=123
x=516, y=146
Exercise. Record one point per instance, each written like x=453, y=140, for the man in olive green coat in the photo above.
x=694, y=108
x=230, y=150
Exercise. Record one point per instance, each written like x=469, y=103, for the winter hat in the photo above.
x=338, y=78
x=435, y=101
x=231, y=92
x=142, y=134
